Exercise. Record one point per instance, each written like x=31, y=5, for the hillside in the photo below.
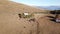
x=10, y=23
x=12, y=6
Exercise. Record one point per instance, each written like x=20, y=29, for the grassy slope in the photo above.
x=11, y=24
x=48, y=27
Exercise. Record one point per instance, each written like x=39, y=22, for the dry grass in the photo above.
x=10, y=23
x=48, y=27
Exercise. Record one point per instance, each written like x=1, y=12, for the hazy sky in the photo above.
x=39, y=2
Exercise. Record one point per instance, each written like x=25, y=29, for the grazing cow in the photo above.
x=58, y=18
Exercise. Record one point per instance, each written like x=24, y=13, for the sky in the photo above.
x=39, y=2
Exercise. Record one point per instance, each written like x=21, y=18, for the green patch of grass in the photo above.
x=27, y=16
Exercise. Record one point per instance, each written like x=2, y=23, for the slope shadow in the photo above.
x=53, y=18
x=50, y=16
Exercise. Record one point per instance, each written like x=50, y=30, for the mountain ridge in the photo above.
x=49, y=7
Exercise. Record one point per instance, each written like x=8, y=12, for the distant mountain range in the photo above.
x=49, y=7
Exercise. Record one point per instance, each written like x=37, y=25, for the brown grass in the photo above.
x=10, y=23
x=48, y=27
